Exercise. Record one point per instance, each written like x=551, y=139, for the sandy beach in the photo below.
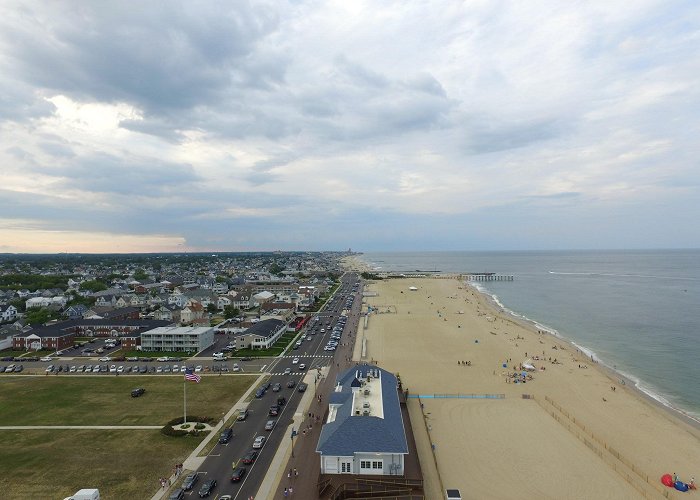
x=581, y=433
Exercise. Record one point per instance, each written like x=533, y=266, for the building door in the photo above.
x=346, y=467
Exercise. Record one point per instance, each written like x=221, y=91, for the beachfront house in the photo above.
x=364, y=431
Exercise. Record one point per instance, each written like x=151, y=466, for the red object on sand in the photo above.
x=667, y=480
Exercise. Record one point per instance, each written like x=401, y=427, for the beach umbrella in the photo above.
x=667, y=480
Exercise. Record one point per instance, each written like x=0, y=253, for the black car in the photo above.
x=207, y=488
x=178, y=494
x=250, y=457
x=226, y=436
x=291, y=384
x=190, y=481
x=302, y=387
x=260, y=393
x=281, y=401
x=137, y=392
x=238, y=474
x=246, y=358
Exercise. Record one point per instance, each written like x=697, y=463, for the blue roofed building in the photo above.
x=364, y=431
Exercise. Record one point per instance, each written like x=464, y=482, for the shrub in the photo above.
x=169, y=431
x=199, y=426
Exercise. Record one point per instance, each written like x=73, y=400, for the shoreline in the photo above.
x=424, y=329
x=629, y=381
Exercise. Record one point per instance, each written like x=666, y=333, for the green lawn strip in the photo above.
x=275, y=350
x=56, y=464
x=12, y=353
x=150, y=354
x=105, y=400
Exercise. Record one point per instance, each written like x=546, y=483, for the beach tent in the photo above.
x=529, y=367
x=412, y=288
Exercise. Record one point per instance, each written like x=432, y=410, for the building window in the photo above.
x=377, y=465
x=365, y=464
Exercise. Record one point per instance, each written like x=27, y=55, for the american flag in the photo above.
x=191, y=375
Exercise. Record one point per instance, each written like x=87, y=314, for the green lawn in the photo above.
x=104, y=400
x=56, y=464
x=275, y=350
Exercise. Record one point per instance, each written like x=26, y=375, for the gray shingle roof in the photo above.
x=349, y=434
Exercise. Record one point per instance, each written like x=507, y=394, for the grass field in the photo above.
x=103, y=400
x=56, y=464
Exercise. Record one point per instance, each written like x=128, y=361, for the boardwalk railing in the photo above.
x=456, y=396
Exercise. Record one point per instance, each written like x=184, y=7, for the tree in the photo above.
x=140, y=275
x=93, y=286
x=275, y=268
x=231, y=312
x=41, y=315
x=211, y=308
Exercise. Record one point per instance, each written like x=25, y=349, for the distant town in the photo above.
x=41, y=297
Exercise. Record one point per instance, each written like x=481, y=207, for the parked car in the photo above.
x=49, y=369
x=190, y=481
x=207, y=488
x=250, y=457
x=137, y=392
x=238, y=474
x=226, y=436
x=242, y=415
x=258, y=443
x=178, y=494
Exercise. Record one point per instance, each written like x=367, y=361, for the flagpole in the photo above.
x=184, y=392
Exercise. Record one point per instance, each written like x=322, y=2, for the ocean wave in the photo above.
x=615, y=275
x=589, y=353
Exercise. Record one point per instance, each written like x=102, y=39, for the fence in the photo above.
x=457, y=396
x=430, y=438
x=619, y=463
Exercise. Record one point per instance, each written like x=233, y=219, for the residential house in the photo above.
x=7, y=313
x=76, y=311
x=261, y=335
x=192, y=311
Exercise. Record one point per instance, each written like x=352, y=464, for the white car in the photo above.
x=258, y=443
x=105, y=359
x=198, y=368
x=46, y=358
x=120, y=369
x=295, y=361
x=162, y=359
x=113, y=369
x=183, y=369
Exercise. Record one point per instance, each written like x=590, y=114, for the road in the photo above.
x=219, y=463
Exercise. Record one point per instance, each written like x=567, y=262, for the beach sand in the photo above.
x=597, y=442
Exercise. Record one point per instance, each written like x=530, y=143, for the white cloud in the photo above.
x=328, y=111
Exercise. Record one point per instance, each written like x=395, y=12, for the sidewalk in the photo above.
x=306, y=461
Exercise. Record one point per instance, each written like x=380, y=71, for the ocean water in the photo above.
x=635, y=311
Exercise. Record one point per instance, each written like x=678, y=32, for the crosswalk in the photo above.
x=308, y=356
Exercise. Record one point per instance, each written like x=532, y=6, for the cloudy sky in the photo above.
x=378, y=125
